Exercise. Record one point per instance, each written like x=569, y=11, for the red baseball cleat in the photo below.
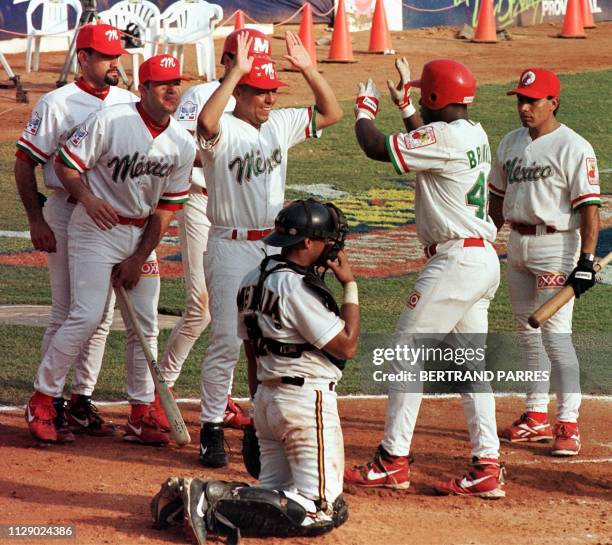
x=235, y=416
x=158, y=412
x=384, y=471
x=527, y=428
x=40, y=414
x=143, y=427
x=567, y=439
x=485, y=480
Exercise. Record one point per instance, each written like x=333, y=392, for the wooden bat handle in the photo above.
x=551, y=306
x=177, y=424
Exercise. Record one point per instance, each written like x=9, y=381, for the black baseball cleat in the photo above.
x=212, y=448
x=64, y=434
x=83, y=417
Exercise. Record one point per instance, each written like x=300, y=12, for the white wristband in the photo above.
x=408, y=111
x=351, y=295
x=363, y=115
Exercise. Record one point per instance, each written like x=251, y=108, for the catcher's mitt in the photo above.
x=250, y=451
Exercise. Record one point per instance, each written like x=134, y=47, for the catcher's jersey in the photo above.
x=54, y=118
x=191, y=105
x=452, y=162
x=126, y=166
x=295, y=315
x=545, y=180
x=245, y=168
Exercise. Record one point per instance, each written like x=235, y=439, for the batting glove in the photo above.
x=367, y=104
x=400, y=93
x=582, y=277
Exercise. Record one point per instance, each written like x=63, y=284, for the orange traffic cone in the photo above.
x=340, y=49
x=486, y=27
x=380, y=37
x=573, y=27
x=587, y=14
x=239, y=20
x=307, y=33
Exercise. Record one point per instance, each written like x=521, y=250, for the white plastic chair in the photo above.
x=149, y=13
x=54, y=22
x=192, y=22
x=121, y=19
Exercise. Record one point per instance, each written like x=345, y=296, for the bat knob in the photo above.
x=534, y=322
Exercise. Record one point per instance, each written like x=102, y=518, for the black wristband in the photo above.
x=587, y=257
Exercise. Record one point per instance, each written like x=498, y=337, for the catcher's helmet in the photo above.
x=259, y=47
x=312, y=219
x=445, y=82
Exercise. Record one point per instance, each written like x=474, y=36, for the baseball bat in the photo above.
x=177, y=424
x=551, y=306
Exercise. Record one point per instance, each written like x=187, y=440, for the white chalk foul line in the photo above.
x=564, y=461
x=350, y=397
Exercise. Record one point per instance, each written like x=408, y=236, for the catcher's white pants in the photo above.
x=57, y=212
x=451, y=294
x=193, y=233
x=537, y=269
x=92, y=255
x=300, y=439
x=226, y=262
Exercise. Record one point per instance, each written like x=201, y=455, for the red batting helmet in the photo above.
x=259, y=46
x=445, y=82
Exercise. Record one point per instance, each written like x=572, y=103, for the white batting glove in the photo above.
x=367, y=104
x=400, y=93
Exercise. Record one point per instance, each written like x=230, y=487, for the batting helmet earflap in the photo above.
x=308, y=218
x=444, y=82
x=260, y=46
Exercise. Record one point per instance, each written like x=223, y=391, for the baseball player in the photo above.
x=244, y=155
x=53, y=120
x=546, y=184
x=293, y=333
x=193, y=233
x=451, y=157
x=135, y=160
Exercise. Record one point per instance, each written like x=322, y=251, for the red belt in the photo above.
x=253, y=234
x=530, y=229
x=137, y=222
x=431, y=250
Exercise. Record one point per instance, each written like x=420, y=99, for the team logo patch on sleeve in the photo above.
x=592, y=172
x=77, y=136
x=188, y=111
x=551, y=280
x=34, y=123
x=420, y=138
x=413, y=299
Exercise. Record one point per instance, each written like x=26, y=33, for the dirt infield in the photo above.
x=103, y=486
x=501, y=62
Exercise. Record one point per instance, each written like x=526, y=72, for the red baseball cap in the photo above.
x=262, y=75
x=105, y=39
x=260, y=45
x=160, y=68
x=537, y=83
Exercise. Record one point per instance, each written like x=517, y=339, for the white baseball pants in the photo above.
x=537, y=269
x=193, y=233
x=92, y=255
x=300, y=439
x=57, y=212
x=451, y=295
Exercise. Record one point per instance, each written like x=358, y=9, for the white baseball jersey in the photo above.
x=55, y=117
x=296, y=316
x=543, y=181
x=191, y=105
x=452, y=162
x=246, y=168
x=128, y=167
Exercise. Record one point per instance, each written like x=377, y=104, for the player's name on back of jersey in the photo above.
x=481, y=154
x=516, y=172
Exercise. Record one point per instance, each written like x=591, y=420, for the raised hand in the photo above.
x=242, y=61
x=296, y=52
x=400, y=93
x=367, y=101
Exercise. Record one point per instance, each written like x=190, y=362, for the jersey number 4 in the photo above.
x=477, y=196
